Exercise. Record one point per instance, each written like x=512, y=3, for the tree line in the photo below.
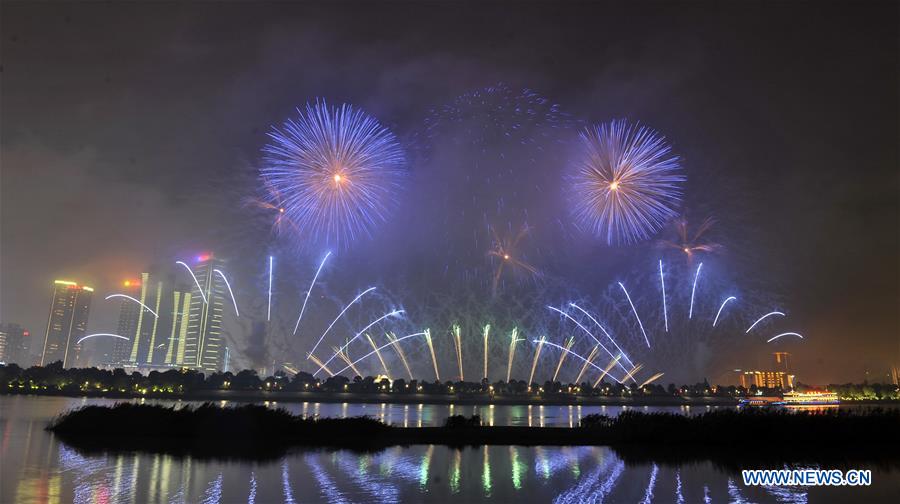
x=54, y=379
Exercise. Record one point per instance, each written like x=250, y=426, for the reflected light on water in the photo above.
x=48, y=471
x=486, y=471
x=455, y=472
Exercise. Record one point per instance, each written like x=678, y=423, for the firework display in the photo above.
x=481, y=190
x=486, y=296
x=497, y=114
x=691, y=241
x=626, y=183
x=334, y=172
x=505, y=251
x=639, y=330
x=397, y=252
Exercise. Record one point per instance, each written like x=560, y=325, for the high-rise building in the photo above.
x=203, y=348
x=155, y=320
x=15, y=345
x=4, y=342
x=129, y=312
x=67, y=323
x=181, y=309
x=780, y=377
x=143, y=342
x=767, y=379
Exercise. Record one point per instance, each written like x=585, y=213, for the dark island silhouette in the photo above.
x=751, y=435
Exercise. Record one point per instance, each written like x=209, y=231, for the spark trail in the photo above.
x=311, y=285
x=773, y=338
x=378, y=354
x=562, y=357
x=437, y=374
x=662, y=283
x=319, y=363
x=230, y=292
x=108, y=335
x=729, y=298
x=760, y=319
x=135, y=300
x=486, y=333
x=582, y=359
x=514, y=338
x=633, y=309
x=537, y=355
x=346, y=358
x=582, y=310
x=269, y=306
x=651, y=379
x=361, y=294
x=590, y=359
x=200, y=289
x=606, y=370
x=457, y=341
x=633, y=372
x=397, y=348
x=394, y=342
x=360, y=333
x=585, y=329
x=694, y=290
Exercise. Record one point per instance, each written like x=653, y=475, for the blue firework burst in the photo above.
x=336, y=172
x=625, y=182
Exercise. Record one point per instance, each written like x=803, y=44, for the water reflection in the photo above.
x=648, y=494
x=486, y=471
x=37, y=468
x=286, y=481
x=419, y=473
x=251, y=499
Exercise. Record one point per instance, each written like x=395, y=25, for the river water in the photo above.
x=36, y=467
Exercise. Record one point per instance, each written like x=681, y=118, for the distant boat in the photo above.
x=760, y=400
x=792, y=398
x=814, y=398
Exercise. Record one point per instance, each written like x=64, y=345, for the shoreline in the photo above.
x=360, y=398
x=433, y=399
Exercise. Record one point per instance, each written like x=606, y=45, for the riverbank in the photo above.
x=253, y=396
x=259, y=432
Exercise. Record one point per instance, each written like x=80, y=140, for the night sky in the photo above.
x=128, y=132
